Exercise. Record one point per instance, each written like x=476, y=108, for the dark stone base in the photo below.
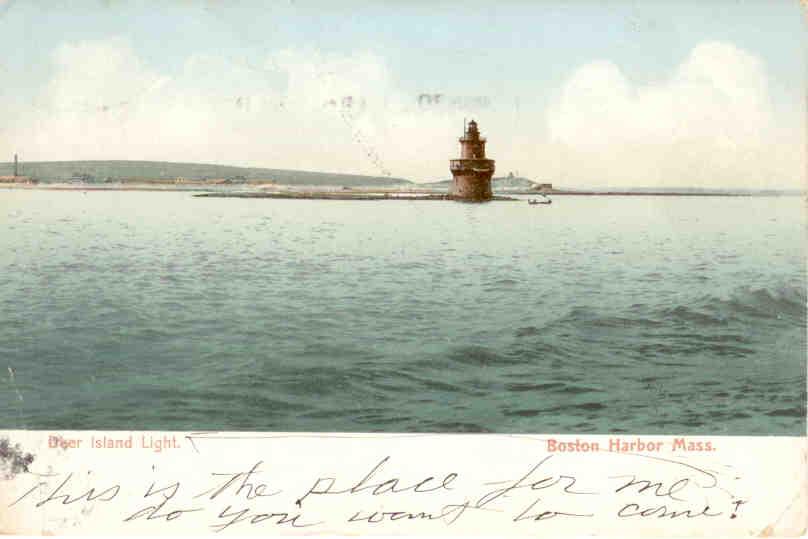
x=471, y=188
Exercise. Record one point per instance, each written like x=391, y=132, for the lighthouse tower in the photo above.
x=472, y=172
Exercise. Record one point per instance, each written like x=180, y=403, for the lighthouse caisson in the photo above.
x=472, y=172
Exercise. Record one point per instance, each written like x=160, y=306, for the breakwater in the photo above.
x=321, y=195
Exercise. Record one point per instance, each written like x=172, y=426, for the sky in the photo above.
x=579, y=93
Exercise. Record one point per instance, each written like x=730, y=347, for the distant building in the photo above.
x=81, y=177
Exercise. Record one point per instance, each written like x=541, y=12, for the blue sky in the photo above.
x=186, y=61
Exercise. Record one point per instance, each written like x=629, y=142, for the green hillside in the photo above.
x=111, y=171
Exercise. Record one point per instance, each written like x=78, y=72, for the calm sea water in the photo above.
x=131, y=310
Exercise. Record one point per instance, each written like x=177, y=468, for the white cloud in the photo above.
x=290, y=111
x=92, y=73
x=710, y=123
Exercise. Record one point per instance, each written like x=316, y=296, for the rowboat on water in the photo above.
x=536, y=201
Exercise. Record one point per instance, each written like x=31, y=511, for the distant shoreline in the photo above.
x=365, y=193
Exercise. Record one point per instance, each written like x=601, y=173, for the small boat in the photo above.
x=545, y=201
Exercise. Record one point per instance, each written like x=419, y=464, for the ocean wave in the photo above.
x=479, y=356
x=688, y=315
x=785, y=303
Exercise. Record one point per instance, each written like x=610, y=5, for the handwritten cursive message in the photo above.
x=282, y=486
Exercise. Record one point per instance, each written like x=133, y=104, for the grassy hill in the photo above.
x=113, y=171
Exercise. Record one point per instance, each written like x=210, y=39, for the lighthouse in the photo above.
x=471, y=174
